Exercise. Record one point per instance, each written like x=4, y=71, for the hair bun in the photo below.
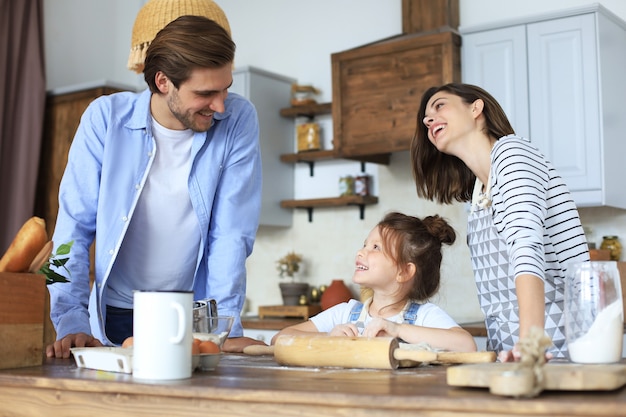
x=440, y=229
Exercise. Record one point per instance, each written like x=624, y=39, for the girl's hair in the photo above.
x=442, y=177
x=410, y=239
x=187, y=43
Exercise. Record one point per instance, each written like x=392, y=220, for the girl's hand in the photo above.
x=379, y=327
x=347, y=329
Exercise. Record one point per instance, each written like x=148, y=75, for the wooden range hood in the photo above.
x=377, y=87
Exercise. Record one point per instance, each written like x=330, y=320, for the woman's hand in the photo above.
x=514, y=355
x=510, y=355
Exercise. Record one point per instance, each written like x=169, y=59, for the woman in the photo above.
x=523, y=227
x=400, y=264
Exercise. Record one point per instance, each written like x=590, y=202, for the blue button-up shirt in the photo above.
x=108, y=163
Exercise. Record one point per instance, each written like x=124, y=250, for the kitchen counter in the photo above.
x=256, y=386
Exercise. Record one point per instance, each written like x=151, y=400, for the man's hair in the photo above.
x=185, y=44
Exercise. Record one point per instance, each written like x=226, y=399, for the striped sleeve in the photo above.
x=534, y=211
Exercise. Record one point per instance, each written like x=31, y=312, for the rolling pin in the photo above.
x=357, y=352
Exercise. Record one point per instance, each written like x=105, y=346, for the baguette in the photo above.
x=41, y=258
x=28, y=242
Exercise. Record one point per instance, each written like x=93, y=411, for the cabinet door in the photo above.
x=564, y=98
x=269, y=93
x=496, y=61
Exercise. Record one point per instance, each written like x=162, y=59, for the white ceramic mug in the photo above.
x=162, y=333
x=594, y=312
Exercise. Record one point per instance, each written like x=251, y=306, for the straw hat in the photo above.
x=156, y=14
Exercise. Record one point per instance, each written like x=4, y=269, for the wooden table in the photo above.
x=257, y=386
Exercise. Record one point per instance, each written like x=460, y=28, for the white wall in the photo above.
x=88, y=41
x=293, y=38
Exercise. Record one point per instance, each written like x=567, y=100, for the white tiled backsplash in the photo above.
x=329, y=243
x=602, y=221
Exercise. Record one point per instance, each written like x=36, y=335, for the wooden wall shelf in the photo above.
x=351, y=200
x=307, y=110
x=310, y=111
x=310, y=157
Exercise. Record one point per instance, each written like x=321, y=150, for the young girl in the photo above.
x=523, y=228
x=399, y=263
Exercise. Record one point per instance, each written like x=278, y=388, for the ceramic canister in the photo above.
x=337, y=292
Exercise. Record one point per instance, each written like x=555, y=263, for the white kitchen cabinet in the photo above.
x=269, y=93
x=561, y=79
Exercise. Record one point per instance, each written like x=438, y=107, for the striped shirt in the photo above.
x=533, y=210
x=528, y=224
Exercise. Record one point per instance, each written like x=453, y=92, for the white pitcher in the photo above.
x=162, y=333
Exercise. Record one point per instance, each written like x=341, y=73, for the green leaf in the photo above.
x=64, y=249
x=59, y=262
x=52, y=276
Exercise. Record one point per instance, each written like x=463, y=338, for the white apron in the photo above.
x=495, y=283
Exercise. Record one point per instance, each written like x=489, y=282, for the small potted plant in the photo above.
x=288, y=266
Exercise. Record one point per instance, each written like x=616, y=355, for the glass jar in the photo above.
x=308, y=137
x=613, y=244
x=361, y=185
x=346, y=186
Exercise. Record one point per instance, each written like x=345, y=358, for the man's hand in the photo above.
x=61, y=348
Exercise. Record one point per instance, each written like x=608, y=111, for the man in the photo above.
x=168, y=181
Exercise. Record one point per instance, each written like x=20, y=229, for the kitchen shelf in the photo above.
x=307, y=110
x=310, y=157
x=350, y=200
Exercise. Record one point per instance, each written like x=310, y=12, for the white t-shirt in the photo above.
x=428, y=315
x=160, y=249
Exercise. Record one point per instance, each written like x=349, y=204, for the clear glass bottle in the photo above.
x=613, y=244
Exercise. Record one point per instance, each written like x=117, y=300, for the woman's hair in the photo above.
x=442, y=177
x=187, y=43
x=412, y=240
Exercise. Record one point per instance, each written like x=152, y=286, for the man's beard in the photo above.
x=186, y=118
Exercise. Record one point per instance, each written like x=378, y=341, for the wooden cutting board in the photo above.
x=557, y=376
